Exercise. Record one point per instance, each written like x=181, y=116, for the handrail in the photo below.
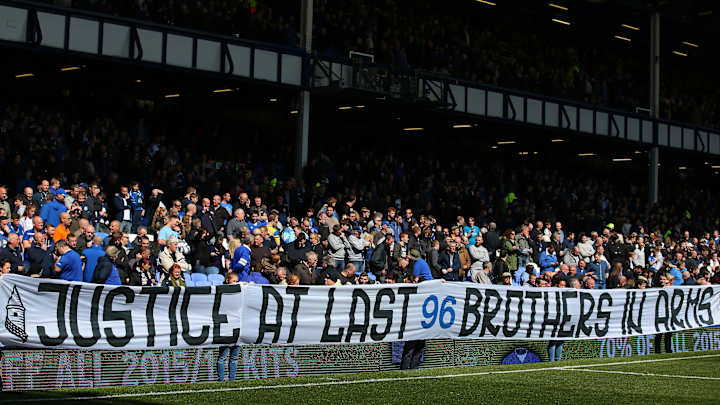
x=34, y=35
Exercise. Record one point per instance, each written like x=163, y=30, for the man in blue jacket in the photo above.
x=50, y=212
x=69, y=265
x=92, y=254
x=106, y=272
x=548, y=259
x=450, y=263
x=600, y=270
x=421, y=267
x=241, y=258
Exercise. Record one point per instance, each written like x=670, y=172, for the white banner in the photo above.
x=55, y=314
x=41, y=313
x=391, y=312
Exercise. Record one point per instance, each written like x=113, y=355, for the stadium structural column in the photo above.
x=303, y=97
x=654, y=103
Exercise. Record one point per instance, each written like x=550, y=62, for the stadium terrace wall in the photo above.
x=44, y=370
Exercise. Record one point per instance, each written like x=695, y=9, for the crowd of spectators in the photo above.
x=427, y=36
x=79, y=235
x=73, y=211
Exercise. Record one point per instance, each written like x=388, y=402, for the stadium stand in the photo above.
x=526, y=216
x=457, y=41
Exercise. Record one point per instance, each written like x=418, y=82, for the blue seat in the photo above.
x=216, y=279
x=199, y=277
x=372, y=276
x=189, y=283
x=202, y=283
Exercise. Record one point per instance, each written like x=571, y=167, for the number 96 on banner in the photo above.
x=435, y=311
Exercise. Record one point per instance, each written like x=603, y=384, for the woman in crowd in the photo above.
x=176, y=277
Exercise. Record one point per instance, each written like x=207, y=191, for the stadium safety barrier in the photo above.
x=54, y=369
x=84, y=33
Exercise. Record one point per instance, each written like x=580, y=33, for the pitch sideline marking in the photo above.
x=694, y=377
x=348, y=382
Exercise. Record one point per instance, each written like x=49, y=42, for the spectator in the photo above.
x=172, y=228
x=420, y=267
x=347, y=276
x=548, y=259
x=69, y=265
x=170, y=256
x=241, y=259
x=175, y=277
x=505, y=279
x=450, y=262
x=50, y=212
x=13, y=253
x=337, y=244
x=5, y=267
x=357, y=245
x=293, y=279
x=237, y=224
x=39, y=260
x=509, y=245
x=106, y=272
x=258, y=252
x=306, y=270
x=123, y=205
x=92, y=254
x=380, y=258
x=483, y=276
x=63, y=229
x=492, y=240
x=500, y=266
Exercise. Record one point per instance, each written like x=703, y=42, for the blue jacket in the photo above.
x=520, y=277
x=422, y=269
x=241, y=261
x=601, y=271
x=71, y=266
x=92, y=254
x=106, y=272
x=546, y=260
x=444, y=262
x=678, y=280
x=50, y=212
x=397, y=230
x=254, y=277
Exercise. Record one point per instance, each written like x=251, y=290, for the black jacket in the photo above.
x=295, y=253
x=492, y=242
x=15, y=257
x=120, y=206
x=40, y=262
x=103, y=270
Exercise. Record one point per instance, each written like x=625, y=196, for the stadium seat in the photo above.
x=199, y=277
x=203, y=283
x=372, y=276
x=216, y=279
x=189, y=283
